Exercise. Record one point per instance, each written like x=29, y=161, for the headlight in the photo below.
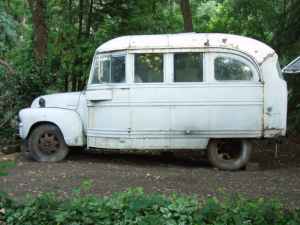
x=42, y=102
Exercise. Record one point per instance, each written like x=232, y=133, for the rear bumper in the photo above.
x=274, y=133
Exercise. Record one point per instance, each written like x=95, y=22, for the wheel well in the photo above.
x=42, y=123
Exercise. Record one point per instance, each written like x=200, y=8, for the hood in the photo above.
x=68, y=100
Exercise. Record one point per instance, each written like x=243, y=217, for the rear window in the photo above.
x=230, y=69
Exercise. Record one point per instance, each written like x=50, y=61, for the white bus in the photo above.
x=174, y=91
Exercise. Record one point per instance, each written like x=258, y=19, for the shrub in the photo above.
x=136, y=207
x=4, y=166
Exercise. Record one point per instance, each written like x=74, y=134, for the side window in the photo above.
x=188, y=67
x=104, y=64
x=230, y=69
x=96, y=71
x=148, y=68
x=117, y=69
x=109, y=69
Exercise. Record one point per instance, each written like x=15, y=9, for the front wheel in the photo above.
x=46, y=144
x=229, y=154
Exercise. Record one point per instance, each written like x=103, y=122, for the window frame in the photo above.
x=168, y=66
x=208, y=67
x=213, y=56
x=110, y=55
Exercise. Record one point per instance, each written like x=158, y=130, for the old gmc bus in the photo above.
x=213, y=92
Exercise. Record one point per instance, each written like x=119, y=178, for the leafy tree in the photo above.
x=8, y=37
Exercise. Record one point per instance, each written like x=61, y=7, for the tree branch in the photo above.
x=9, y=69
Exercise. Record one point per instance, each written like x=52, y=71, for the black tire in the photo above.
x=46, y=144
x=229, y=154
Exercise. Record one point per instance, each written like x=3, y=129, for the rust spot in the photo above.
x=269, y=109
x=268, y=56
x=206, y=43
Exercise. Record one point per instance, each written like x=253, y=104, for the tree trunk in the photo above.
x=187, y=15
x=66, y=82
x=38, y=10
x=76, y=75
x=74, y=82
x=89, y=20
x=80, y=19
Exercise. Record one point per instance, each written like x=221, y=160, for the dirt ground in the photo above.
x=269, y=174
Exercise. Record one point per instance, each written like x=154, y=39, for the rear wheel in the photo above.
x=229, y=154
x=46, y=144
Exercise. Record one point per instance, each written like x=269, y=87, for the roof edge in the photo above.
x=256, y=49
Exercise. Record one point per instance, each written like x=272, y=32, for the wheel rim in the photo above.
x=48, y=143
x=229, y=151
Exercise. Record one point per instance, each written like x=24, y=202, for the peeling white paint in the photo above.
x=170, y=115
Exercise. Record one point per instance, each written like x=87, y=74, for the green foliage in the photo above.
x=4, y=166
x=18, y=90
x=136, y=207
x=8, y=34
x=249, y=18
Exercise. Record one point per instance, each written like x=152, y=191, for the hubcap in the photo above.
x=229, y=150
x=48, y=143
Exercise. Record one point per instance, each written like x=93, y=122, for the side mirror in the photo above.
x=293, y=67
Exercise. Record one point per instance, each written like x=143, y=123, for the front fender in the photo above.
x=68, y=121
